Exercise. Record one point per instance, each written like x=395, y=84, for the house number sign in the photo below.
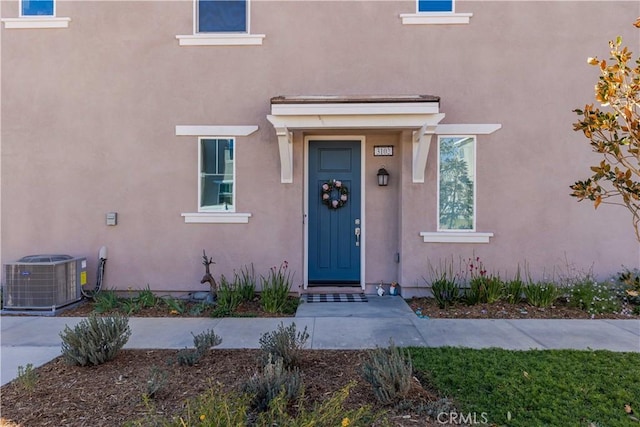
x=383, y=150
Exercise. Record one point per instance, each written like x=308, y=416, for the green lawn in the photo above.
x=536, y=388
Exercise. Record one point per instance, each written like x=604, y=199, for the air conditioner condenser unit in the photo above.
x=44, y=282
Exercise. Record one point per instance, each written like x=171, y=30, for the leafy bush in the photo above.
x=202, y=343
x=229, y=296
x=246, y=283
x=274, y=380
x=156, y=382
x=275, y=289
x=629, y=280
x=444, y=287
x=513, y=290
x=173, y=304
x=27, y=377
x=541, y=294
x=106, y=301
x=593, y=297
x=285, y=343
x=146, y=298
x=390, y=373
x=95, y=340
x=484, y=289
x=330, y=413
x=213, y=408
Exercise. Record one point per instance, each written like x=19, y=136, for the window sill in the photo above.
x=221, y=40
x=435, y=18
x=36, y=22
x=216, y=218
x=455, y=237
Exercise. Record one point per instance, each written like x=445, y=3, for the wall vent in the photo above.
x=44, y=282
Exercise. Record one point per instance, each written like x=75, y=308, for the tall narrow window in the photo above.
x=456, y=183
x=37, y=8
x=222, y=16
x=217, y=175
x=435, y=5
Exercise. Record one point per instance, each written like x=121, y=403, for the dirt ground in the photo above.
x=111, y=394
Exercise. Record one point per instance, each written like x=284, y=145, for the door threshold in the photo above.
x=333, y=289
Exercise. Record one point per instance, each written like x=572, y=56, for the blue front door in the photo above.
x=334, y=223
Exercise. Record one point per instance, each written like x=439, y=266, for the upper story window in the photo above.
x=222, y=16
x=36, y=14
x=217, y=175
x=456, y=183
x=37, y=8
x=435, y=6
x=221, y=23
x=433, y=12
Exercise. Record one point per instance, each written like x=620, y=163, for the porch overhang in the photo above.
x=419, y=113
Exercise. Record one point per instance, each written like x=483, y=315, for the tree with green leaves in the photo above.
x=614, y=132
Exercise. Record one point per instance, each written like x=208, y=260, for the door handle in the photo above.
x=357, y=233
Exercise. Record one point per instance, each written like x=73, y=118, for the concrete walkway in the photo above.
x=36, y=340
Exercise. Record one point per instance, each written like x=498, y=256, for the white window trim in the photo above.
x=455, y=237
x=475, y=192
x=435, y=18
x=212, y=131
x=216, y=218
x=215, y=209
x=220, y=39
x=35, y=22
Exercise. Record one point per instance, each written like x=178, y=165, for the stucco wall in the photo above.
x=89, y=115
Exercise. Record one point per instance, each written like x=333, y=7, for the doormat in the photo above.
x=335, y=298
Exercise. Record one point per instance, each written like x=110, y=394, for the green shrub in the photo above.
x=329, y=413
x=246, y=283
x=285, y=344
x=484, y=289
x=541, y=294
x=592, y=297
x=146, y=298
x=213, y=408
x=129, y=306
x=106, y=301
x=274, y=380
x=228, y=297
x=174, y=304
x=390, y=373
x=156, y=382
x=202, y=343
x=275, y=289
x=444, y=287
x=95, y=340
x=513, y=290
x=27, y=377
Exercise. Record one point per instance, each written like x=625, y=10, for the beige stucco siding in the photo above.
x=89, y=115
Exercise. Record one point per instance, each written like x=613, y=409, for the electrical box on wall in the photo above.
x=112, y=218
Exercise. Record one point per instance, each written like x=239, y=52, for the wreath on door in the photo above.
x=336, y=187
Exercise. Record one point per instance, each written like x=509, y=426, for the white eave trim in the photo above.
x=221, y=39
x=455, y=237
x=435, y=18
x=216, y=218
x=386, y=109
x=196, y=130
x=36, y=22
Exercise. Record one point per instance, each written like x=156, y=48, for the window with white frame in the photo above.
x=222, y=16
x=37, y=8
x=216, y=186
x=434, y=12
x=435, y=6
x=36, y=14
x=456, y=183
